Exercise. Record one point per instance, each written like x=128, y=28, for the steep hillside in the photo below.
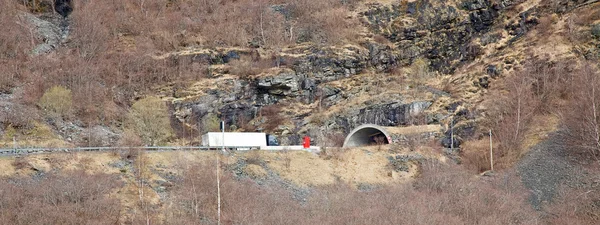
x=411, y=62
x=521, y=74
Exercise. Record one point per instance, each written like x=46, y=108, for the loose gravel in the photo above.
x=545, y=168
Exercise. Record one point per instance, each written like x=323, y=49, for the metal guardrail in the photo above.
x=17, y=151
x=39, y=150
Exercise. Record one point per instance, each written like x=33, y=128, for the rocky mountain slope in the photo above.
x=412, y=62
x=136, y=73
x=409, y=63
x=419, y=62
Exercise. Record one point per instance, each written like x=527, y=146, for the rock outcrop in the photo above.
x=49, y=33
x=446, y=35
x=434, y=29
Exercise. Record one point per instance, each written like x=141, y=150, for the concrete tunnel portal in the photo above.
x=367, y=134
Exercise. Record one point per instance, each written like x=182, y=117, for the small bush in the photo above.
x=596, y=31
x=381, y=40
x=254, y=157
x=273, y=115
x=575, y=206
x=335, y=153
x=210, y=123
x=244, y=68
x=6, y=84
x=419, y=71
x=21, y=163
x=129, y=139
x=476, y=155
x=18, y=116
x=149, y=118
x=544, y=26
x=57, y=101
x=335, y=139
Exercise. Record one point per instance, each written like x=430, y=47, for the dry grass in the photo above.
x=6, y=167
x=38, y=134
x=303, y=168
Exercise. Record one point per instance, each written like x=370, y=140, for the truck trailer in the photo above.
x=234, y=139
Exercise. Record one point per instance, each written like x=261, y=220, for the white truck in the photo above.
x=236, y=140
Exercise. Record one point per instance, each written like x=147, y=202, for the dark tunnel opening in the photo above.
x=366, y=135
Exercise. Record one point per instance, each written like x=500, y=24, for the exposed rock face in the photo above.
x=50, y=34
x=306, y=80
x=525, y=22
x=435, y=30
x=389, y=114
x=63, y=7
x=286, y=83
x=392, y=114
x=381, y=57
x=324, y=65
x=441, y=33
x=97, y=136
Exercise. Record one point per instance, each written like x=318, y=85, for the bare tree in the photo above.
x=581, y=117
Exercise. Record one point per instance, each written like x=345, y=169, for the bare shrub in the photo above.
x=510, y=115
x=254, y=157
x=575, y=206
x=334, y=139
x=18, y=116
x=245, y=67
x=15, y=39
x=545, y=24
x=93, y=23
x=129, y=139
x=273, y=115
x=382, y=40
x=419, y=72
x=335, y=153
x=539, y=88
x=417, y=119
x=442, y=194
x=72, y=198
x=322, y=21
x=244, y=122
x=476, y=155
x=548, y=81
x=580, y=117
x=499, y=201
x=21, y=163
x=7, y=83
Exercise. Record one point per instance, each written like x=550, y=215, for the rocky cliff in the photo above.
x=313, y=84
x=414, y=62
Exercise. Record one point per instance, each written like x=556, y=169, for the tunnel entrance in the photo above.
x=365, y=135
